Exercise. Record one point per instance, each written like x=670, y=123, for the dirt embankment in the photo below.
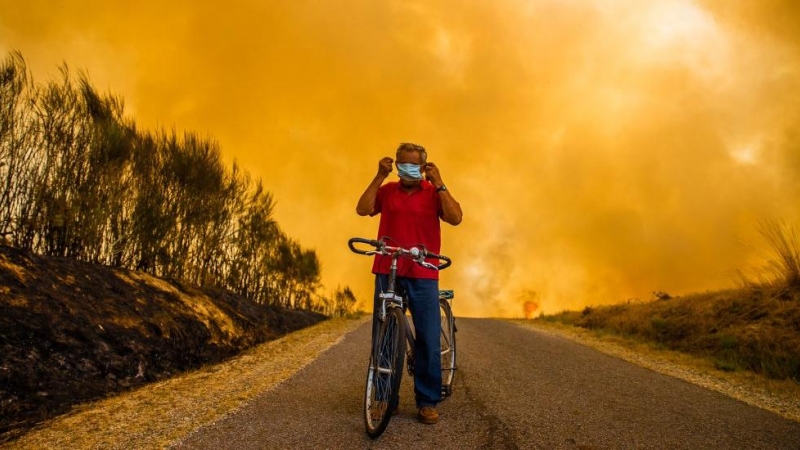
x=72, y=331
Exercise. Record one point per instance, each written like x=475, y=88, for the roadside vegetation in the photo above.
x=128, y=256
x=755, y=327
x=79, y=179
x=72, y=331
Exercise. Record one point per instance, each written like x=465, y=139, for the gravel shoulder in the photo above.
x=158, y=414
x=779, y=397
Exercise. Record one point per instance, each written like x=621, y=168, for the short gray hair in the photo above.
x=407, y=147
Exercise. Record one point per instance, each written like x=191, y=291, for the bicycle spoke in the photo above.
x=383, y=378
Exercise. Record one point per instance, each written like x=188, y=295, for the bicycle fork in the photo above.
x=391, y=298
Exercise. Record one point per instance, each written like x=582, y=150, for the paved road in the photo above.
x=515, y=388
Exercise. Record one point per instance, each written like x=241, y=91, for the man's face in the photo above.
x=410, y=158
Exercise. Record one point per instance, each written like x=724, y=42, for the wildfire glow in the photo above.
x=600, y=150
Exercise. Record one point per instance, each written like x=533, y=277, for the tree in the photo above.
x=78, y=179
x=18, y=143
x=344, y=302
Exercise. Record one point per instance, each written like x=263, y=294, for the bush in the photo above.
x=782, y=240
x=751, y=329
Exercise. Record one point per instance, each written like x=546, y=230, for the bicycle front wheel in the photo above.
x=448, y=343
x=385, y=373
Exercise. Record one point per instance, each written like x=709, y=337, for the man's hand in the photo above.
x=385, y=166
x=366, y=204
x=433, y=175
x=451, y=210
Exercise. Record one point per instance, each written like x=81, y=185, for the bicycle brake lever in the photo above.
x=429, y=265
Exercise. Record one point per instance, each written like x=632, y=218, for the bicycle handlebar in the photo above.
x=351, y=243
x=418, y=255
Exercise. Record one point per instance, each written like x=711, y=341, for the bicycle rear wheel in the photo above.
x=448, y=343
x=385, y=373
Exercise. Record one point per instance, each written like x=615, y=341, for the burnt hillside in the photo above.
x=73, y=331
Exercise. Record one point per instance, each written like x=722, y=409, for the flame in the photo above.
x=529, y=303
x=530, y=308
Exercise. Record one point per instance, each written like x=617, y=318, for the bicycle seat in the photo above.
x=447, y=294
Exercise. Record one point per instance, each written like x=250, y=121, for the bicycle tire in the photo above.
x=384, y=373
x=448, y=350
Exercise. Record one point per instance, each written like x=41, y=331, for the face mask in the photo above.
x=409, y=172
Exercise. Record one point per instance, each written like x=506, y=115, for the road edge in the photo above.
x=751, y=389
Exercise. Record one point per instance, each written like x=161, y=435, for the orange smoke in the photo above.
x=530, y=308
x=564, y=157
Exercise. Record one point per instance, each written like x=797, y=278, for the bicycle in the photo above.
x=394, y=340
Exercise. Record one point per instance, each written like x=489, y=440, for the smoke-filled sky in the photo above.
x=601, y=150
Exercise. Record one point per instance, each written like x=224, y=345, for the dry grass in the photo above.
x=159, y=414
x=753, y=328
x=778, y=396
x=785, y=263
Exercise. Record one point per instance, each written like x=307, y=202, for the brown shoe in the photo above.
x=428, y=415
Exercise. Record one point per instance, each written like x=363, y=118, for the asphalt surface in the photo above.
x=515, y=388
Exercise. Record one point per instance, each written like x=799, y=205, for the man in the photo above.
x=410, y=212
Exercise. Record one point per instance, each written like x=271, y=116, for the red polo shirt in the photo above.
x=407, y=220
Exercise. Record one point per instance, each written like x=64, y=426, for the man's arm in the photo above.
x=366, y=204
x=451, y=210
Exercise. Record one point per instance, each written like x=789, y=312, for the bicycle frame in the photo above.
x=390, y=294
x=385, y=373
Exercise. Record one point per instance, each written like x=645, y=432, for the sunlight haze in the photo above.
x=600, y=150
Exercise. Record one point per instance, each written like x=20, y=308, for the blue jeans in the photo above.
x=423, y=302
